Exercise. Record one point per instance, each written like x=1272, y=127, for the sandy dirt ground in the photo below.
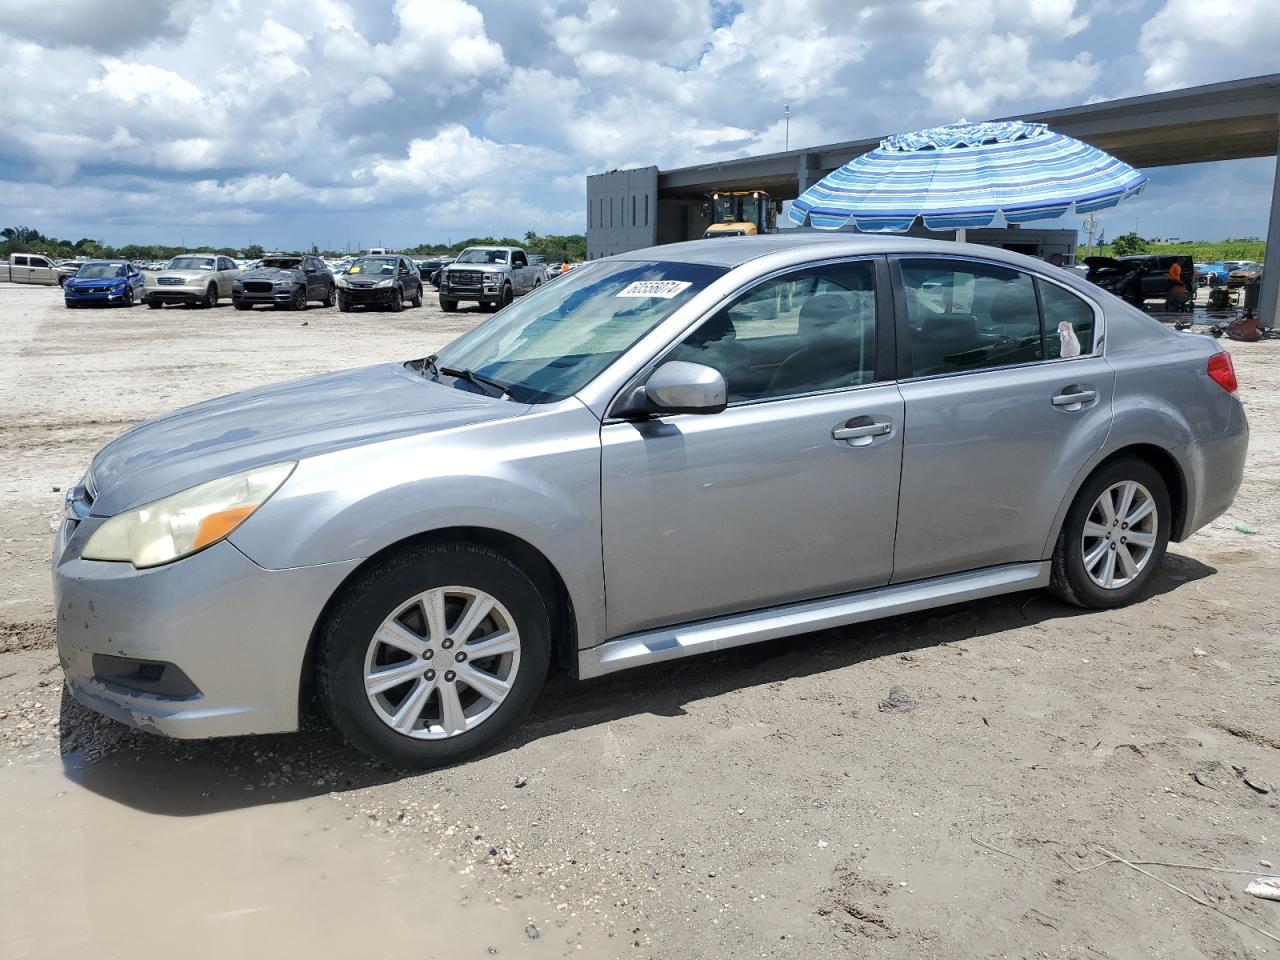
x=758, y=803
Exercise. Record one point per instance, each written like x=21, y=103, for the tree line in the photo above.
x=30, y=240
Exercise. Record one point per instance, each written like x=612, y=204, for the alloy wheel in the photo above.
x=442, y=663
x=1119, y=534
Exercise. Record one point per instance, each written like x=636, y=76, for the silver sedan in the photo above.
x=674, y=451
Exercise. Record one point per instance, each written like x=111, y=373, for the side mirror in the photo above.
x=681, y=387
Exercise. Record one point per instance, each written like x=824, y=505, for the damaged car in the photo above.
x=384, y=280
x=285, y=281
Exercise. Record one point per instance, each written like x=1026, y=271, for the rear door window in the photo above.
x=1066, y=316
x=964, y=315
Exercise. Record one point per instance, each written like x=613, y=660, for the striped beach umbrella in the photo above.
x=966, y=175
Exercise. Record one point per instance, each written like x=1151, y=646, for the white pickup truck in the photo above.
x=32, y=268
x=491, y=276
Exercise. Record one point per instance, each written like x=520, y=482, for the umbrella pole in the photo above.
x=960, y=235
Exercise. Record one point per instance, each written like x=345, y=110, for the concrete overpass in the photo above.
x=629, y=209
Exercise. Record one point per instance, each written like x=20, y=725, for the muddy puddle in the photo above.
x=88, y=868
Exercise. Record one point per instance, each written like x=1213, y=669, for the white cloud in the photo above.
x=976, y=81
x=1188, y=43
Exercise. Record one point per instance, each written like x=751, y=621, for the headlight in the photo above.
x=237, y=285
x=341, y=281
x=179, y=525
x=384, y=283
x=196, y=282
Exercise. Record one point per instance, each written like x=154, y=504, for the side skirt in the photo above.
x=736, y=630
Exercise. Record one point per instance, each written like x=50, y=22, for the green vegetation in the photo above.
x=1233, y=248
x=30, y=240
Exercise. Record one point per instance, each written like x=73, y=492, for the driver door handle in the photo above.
x=854, y=430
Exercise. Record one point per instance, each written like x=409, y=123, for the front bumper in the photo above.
x=238, y=631
x=175, y=294
x=255, y=297
x=478, y=294
x=369, y=296
x=93, y=296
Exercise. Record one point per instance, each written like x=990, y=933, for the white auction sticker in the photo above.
x=663, y=289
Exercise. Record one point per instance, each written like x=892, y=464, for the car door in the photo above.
x=41, y=270
x=134, y=278
x=788, y=494
x=999, y=417
x=519, y=272
x=226, y=275
x=18, y=268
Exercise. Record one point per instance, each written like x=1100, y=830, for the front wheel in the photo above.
x=154, y=304
x=299, y=301
x=397, y=303
x=344, y=304
x=447, y=305
x=417, y=298
x=1114, y=536
x=434, y=654
x=508, y=295
x=128, y=296
x=328, y=296
x=210, y=296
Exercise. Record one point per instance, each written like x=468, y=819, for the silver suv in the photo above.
x=680, y=450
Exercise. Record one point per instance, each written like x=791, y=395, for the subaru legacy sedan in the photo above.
x=673, y=451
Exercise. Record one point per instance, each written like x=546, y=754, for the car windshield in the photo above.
x=99, y=271
x=282, y=263
x=374, y=266
x=480, y=255
x=551, y=343
x=191, y=263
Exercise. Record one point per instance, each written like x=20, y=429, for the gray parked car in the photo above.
x=674, y=451
x=284, y=280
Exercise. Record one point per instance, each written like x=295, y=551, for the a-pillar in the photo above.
x=1269, y=303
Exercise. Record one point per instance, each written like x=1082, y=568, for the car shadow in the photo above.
x=190, y=778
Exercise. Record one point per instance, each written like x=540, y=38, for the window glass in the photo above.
x=1060, y=307
x=552, y=342
x=969, y=316
x=799, y=333
x=19, y=261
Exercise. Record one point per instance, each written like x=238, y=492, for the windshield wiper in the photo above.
x=487, y=386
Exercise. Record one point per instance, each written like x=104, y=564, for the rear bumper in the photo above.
x=240, y=633
x=1216, y=465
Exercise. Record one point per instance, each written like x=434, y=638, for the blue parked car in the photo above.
x=110, y=282
x=1213, y=273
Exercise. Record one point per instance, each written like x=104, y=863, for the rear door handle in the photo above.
x=859, y=428
x=1073, y=398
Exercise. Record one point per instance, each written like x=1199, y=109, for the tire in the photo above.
x=154, y=304
x=71, y=305
x=397, y=303
x=447, y=305
x=1071, y=579
x=210, y=297
x=508, y=295
x=344, y=305
x=489, y=306
x=299, y=301
x=128, y=296
x=244, y=306
x=328, y=296
x=417, y=298
x=387, y=594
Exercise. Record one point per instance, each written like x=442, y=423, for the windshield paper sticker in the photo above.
x=663, y=289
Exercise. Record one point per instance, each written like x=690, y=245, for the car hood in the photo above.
x=286, y=421
x=483, y=267
x=274, y=274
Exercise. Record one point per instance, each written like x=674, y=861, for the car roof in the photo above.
x=734, y=251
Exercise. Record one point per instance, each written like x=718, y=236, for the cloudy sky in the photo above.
x=288, y=122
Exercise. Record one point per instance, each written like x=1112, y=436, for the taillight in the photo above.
x=1222, y=372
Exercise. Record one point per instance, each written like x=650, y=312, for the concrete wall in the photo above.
x=622, y=211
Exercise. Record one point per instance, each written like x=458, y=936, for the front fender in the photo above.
x=535, y=477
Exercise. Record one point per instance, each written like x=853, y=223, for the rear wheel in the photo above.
x=1114, y=537
x=447, y=305
x=434, y=654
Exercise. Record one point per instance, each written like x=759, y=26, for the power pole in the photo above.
x=786, y=115
x=1090, y=225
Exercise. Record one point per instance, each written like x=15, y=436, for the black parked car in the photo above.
x=1144, y=277
x=430, y=269
x=284, y=281
x=383, y=280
